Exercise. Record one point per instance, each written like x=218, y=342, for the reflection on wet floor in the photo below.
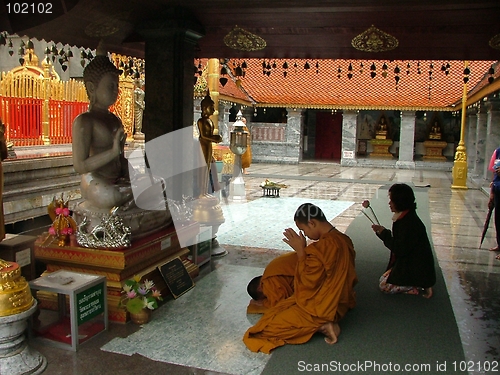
x=472, y=274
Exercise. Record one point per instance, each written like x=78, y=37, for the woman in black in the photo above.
x=411, y=265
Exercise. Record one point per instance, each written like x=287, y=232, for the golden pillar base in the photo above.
x=459, y=171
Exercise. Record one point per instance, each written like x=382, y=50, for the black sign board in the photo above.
x=176, y=277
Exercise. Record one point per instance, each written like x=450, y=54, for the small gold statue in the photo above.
x=381, y=131
x=435, y=132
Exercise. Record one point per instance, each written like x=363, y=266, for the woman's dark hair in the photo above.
x=308, y=211
x=403, y=197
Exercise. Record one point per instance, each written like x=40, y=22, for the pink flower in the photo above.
x=156, y=293
x=366, y=203
x=65, y=212
x=66, y=231
x=131, y=294
x=59, y=211
x=52, y=231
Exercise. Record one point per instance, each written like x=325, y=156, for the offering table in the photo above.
x=141, y=258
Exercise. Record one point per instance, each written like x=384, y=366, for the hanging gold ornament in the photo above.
x=495, y=42
x=374, y=40
x=244, y=40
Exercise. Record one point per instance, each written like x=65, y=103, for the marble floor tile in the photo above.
x=472, y=275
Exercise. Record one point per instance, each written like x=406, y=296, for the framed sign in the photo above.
x=90, y=303
x=176, y=277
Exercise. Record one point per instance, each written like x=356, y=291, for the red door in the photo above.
x=328, y=136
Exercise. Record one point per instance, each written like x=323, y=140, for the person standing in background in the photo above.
x=494, y=201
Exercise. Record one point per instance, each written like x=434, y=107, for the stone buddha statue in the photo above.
x=435, y=133
x=99, y=157
x=381, y=130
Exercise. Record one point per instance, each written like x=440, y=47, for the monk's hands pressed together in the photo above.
x=295, y=240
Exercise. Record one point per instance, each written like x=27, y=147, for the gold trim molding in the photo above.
x=374, y=40
x=243, y=40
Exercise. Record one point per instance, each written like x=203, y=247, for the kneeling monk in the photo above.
x=275, y=284
x=324, y=282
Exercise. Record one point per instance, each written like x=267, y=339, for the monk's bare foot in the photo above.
x=498, y=257
x=427, y=293
x=331, y=331
x=496, y=248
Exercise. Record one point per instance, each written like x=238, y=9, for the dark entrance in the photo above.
x=328, y=143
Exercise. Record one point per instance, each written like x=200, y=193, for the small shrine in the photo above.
x=434, y=145
x=381, y=143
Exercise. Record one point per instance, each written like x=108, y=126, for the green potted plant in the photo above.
x=140, y=299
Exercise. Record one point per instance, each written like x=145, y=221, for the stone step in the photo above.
x=31, y=184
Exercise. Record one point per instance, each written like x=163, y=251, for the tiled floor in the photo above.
x=472, y=275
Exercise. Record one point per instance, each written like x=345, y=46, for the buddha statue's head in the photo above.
x=95, y=71
x=207, y=105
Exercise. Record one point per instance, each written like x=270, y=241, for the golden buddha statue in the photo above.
x=435, y=133
x=207, y=135
x=381, y=130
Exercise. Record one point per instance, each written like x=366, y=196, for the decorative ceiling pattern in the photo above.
x=424, y=29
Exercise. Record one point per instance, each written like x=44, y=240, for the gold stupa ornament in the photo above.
x=243, y=40
x=15, y=293
x=374, y=40
x=495, y=42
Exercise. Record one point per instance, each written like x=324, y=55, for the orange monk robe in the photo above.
x=276, y=282
x=278, y=278
x=324, y=283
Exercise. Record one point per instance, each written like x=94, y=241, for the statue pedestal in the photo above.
x=434, y=150
x=141, y=258
x=16, y=357
x=381, y=148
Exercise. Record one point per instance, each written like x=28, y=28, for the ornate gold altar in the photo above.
x=434, y=150
x=381, y=148
x=141, y=258
x=224, y=154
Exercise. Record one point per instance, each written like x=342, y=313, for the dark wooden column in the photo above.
x=170, y=41
x=170, y=50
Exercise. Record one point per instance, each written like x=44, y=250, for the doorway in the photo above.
x=328, y=143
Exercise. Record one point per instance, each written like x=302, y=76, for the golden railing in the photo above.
x=38, y=108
